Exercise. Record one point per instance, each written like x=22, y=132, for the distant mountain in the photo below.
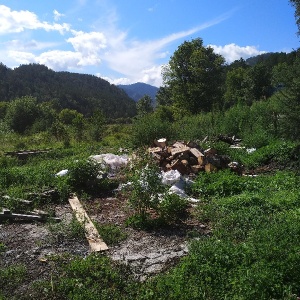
x=82, y=92
x=137, y=90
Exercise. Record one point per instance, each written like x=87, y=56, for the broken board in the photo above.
x=95, y=241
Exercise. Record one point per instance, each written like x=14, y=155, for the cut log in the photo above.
x=196, y=152
x=210, y=151
x=197, y=168
x=161, y=143
x=155, y=150
x=210, y=168
x=95, y=241
x=176, y=151
x=180, y=167
x=179, y=145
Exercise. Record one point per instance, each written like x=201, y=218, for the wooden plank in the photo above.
x=7, y=215
x=177, y=151
x=196, y=152
x=210, y=168
x=95, y=241
x=179, y=145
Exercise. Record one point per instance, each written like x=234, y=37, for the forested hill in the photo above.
x=137, y=90
x=84, y=93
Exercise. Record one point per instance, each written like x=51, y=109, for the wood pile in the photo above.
x=187, y=157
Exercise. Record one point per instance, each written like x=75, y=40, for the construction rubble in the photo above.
x=189, y=158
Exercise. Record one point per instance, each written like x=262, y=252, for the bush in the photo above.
x=148, y=128
x=172, y=208
x=221, y=184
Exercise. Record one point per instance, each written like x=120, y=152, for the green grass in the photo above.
x=92, y=278
x=252, y=253
x=10, y=279
x=110, y=233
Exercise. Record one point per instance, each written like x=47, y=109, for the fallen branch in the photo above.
x=31, y=216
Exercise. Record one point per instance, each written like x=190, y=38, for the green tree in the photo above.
x=163, y=96
x=289, y=96
x=296, y=4
x=67, y=116
x=235, y=85
x=194, y=77
x=144, y=105
x=3, y=108
x=95, y=126
x=21, y=113
x=259, y=85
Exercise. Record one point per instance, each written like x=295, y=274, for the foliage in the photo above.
x=148, y=128
x=83, y=177
x=2, y=248
x=110, y=233
x=221, y=184
x=144, y=105
x=92, y=278
x=290, y=96
x=172, y=208
x=196, y=127
x=21, y=113
x=11, y=277
x=81, y=92
x=296, y=4
x=246, y=257
x=145, y=186
x=96, y=123
x=67, y=230
x=193, y=77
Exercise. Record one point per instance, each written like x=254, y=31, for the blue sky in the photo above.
x=128, y=41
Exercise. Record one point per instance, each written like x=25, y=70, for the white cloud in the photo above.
x=57, y=15
x=134, y=60
x=60, y=60
x=22, y=57
x=88, y=43
x=17, y=21
x=232, y=52
x=28, y=45
x=152, y=76
x=138, y=60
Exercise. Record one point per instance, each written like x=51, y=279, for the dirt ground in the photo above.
x=146, y=252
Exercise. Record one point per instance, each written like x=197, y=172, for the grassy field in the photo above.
x=252, y=253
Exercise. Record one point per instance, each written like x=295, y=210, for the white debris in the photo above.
x=171, y=177
x=250, y=150
x=62, y=173
x=178, y=184
x=112, y=161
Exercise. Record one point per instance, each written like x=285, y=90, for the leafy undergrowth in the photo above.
x=253, y=252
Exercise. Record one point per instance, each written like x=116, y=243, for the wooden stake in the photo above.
x=91, y=233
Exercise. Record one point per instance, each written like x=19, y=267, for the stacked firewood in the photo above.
x=188, y=157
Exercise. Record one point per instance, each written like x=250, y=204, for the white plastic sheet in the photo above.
x=171, y=177
x=113, y=161
x=178, y=184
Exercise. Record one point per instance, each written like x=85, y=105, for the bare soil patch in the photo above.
x=146, y=252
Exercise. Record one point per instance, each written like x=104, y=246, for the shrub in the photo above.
x=221, y=184
x=172, y=208
x=148, y=128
